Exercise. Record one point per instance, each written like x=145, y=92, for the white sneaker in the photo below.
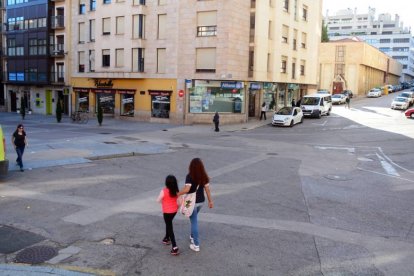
x=194, y=247
x=191, y=240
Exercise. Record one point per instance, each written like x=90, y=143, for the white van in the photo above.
x=316, y=105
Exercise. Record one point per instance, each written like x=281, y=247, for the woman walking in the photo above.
x=197, y=181
x=19, y=142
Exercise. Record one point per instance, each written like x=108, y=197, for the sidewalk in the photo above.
x=65, y=143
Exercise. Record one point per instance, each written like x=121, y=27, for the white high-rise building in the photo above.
x=386, y=33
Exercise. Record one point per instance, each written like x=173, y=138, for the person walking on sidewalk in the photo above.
x=216, y=120
x=348, y=102
x=19, y=141
x=168, y=198
x=263, y=112
x=197, y=181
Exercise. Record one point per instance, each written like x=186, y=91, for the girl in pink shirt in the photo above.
x=168, y=198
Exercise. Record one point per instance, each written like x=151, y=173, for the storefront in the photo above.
x=150, y=100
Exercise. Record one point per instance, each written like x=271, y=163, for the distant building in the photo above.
x=384, y=33
x=35, y=58
x=351, y=64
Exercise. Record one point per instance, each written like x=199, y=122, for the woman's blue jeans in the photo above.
x=19, y=160
x=194, y=223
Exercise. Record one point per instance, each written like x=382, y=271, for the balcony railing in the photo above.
x=25, y=77
x=57, y=22
x=57, y=50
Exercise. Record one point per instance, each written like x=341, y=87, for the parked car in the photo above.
x=374, y=92
x=348, y=93
x=4, y=163
x=287, y=116
x=400, y=103
x=409, y=113
x=390, y=88
x=338, y=99
x=409, y=95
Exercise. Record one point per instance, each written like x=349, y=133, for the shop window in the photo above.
x=160, y=106
x=83, y=101
x=127, y=105
x=107, y=102
x=217, y=96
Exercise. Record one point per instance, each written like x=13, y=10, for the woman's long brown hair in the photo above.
x=197, y=172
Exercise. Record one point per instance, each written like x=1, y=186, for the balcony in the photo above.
x=57, y=50
x=57, y=22
x=57, y=77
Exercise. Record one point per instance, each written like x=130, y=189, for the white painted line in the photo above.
x=393, y=176
x=350, y=150
x=323, y=124
x=387, y=166
x=389, y=160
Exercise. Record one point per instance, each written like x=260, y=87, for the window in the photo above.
x=401, y=49
x=206, y=60
x=92, y=30
x=161, y=60
x=33, y=47
x=138, y=27
x=385, y=40
x=303, y=43
x=11, y=47
x=138, y=2
x=127, y=104
x=283, y=66
x=270, y=30
x=81, y=38
x=119, y=57
x=81, y=62
x=106, y=58
x=285, y=34
x=302, y=67
x=41, y=43
x=286, y=5
x=92, y=5
x=106, y=26
x=340, y=54
x=207, y=23
x=401, y=40
x=294, y=69
x=160, y=105
x=295, y=39
x=119, y=25
x=162, y=20
x=91, y=60
x=107, y=1
x=82, y=9
x=138, y=60
x=305, y=13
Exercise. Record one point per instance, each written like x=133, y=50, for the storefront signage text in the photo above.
x=231, y=85
x=255, y=86
x=104, y=84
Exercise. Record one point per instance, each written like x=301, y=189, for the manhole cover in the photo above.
x=109, y=142
x=36, y=255
x=271, y=153
x=105, y=133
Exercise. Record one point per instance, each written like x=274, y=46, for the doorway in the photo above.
x=252, y=103
x=337, y=87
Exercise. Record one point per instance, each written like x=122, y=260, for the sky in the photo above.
x=404, y=8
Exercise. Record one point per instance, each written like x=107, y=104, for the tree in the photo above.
x=99, y=116
x=59, y=111
x=325, y=37
x=22, y=108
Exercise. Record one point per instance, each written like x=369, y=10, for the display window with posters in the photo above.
x=269, y=95
x=82, y=99
x=160, y=104
x=212, y=96
x=127, y=102
x=106, y=100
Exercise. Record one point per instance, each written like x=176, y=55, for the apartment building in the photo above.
x=352, y=64
x=35, y=56
x=180, y=61
x=384, y=32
